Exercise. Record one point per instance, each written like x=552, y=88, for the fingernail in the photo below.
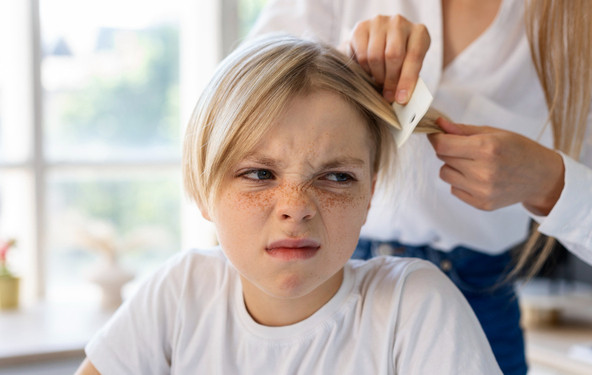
x=402, y=96
x=389, y=95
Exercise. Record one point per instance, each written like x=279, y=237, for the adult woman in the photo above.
x=481, y=71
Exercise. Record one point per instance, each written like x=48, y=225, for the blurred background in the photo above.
x=94, y=97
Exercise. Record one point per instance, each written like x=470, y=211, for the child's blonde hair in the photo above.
x=249, y=91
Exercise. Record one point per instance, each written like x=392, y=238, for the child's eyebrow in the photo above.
x=344, y=162
x=339, y=162
x=263, y=160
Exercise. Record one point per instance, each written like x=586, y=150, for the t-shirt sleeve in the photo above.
x=137, y=339
x=436, y=330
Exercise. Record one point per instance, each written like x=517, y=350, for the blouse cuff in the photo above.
x=571, y=218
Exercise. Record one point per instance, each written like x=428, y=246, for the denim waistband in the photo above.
x=470, y=270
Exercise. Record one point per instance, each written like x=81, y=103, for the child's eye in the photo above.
x=258, y=174
x=339, y=177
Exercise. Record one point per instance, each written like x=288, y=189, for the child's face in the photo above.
x=289, y=214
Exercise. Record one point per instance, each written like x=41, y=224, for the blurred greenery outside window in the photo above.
x=109, y=79
x=111, y=136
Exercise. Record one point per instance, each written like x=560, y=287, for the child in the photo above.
x=282, y=155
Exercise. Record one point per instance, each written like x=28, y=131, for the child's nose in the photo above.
x=295, y=204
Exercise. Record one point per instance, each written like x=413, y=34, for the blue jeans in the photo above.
x=479, y=277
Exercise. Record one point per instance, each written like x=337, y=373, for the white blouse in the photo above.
x=492, y=82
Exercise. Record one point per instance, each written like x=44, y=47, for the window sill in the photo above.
x=48, y=331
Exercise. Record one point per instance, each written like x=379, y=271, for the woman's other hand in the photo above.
x=490, y=168
x=391, y=49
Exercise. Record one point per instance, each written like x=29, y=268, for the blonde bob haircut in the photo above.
x=250, y=90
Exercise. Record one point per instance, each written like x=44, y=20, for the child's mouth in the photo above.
x=293, y=249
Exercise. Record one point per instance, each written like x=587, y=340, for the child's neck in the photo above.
x=274, y=312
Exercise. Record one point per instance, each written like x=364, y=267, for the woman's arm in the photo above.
x=490, y=168
x=570, y=221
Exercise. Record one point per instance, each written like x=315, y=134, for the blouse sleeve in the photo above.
x=437, y=331
x=570, y=220
x=311, y=19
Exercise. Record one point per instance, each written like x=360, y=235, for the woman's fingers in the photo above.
x=376, y=49
x=417, y=46
x=359, y=44
x=491, y=168
x=391, y=49
x=394, y=55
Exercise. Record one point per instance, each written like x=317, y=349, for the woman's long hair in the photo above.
x=560, y=37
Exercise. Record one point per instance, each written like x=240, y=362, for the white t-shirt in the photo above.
x=492, y=82
x=390, y=316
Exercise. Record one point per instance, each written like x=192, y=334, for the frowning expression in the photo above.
x=289, y=213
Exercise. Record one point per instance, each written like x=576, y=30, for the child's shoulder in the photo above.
x=190, y=264
x=390, y=267
x=389, y=275
x=189, y=272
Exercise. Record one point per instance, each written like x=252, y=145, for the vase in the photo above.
x=111, y=278
x=9, y=292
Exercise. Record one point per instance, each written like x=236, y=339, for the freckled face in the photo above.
x=289, y=214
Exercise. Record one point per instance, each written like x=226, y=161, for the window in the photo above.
x=111, y=136
x=93, y=100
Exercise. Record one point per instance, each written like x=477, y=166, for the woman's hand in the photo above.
x=391, y=49
x=491, y=168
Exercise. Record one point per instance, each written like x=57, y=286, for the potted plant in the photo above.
x=9, y=283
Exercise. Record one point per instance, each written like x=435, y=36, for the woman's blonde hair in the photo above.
x=560, y=37
x=252, y=87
